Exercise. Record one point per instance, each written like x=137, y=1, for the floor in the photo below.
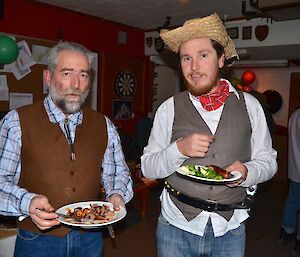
x=136, y=237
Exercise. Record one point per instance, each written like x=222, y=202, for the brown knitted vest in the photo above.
x=46, y=167
x=231, y=143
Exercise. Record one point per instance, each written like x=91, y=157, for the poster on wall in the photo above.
x=21, y=67
x=92, y=99
x=39, y=54
x=17, y=100
x=122, y=110
x=4, y=91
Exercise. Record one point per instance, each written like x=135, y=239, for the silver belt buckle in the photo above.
x=213, y=206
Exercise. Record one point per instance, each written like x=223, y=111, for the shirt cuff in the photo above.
x=126, y=197
x=249, y=181
x=176, y=155
x=25, y=202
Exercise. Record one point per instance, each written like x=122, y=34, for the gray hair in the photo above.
x=72, y=46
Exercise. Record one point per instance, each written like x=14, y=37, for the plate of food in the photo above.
x=209, y=174
x=90, y=214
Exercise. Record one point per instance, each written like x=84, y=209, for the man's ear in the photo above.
x=47, y=77
x=221, y=61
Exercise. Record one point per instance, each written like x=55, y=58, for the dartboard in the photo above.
x=125, y=84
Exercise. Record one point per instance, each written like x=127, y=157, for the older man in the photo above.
x=51, y=155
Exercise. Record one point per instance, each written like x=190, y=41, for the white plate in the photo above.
x=236, y=176
x=63, y=210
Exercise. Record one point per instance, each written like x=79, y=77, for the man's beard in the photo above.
x=197, y=90
x=60, y=99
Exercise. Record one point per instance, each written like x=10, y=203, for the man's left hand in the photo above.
x=117, y=201
x=240, y=167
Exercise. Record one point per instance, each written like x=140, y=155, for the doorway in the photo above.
x=294, y=101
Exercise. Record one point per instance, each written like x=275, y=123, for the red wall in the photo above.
x=38, y=20
x=29, y=18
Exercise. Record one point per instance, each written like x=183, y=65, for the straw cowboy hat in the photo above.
x=209, y=27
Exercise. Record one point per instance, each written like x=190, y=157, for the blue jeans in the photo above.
x=174, y=242
x=74, y=244
x=291, y=207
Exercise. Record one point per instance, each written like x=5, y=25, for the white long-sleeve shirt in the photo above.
x=161, y=158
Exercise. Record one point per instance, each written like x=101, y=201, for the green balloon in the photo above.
x=9, y=50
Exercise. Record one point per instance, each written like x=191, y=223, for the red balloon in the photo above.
x=248, y=77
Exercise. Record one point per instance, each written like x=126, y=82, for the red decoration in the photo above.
x=247, y=88
x=261, y=32
x=239, y=86
x=248, y=77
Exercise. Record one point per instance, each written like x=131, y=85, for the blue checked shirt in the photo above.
x=14, y=201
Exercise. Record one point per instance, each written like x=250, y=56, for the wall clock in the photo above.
x=125, y=84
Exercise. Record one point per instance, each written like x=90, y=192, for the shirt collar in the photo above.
x=231, y=90
x=57, y=116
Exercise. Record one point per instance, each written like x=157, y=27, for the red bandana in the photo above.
x=214, y=100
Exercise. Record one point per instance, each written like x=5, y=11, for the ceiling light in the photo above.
x=261, y=63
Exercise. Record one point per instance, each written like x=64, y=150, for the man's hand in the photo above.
x=42, y=213
x=116, y=201
x=240, y=167
x=194, y=145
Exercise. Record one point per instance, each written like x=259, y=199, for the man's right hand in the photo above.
x=194, y=145
x=42, y=213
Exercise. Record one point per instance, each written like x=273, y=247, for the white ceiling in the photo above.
x=148, y=15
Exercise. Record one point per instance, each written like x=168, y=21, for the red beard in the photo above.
x=197, y=90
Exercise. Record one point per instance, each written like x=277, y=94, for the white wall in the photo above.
x=280, y=33
x=167, y=85
x=278, y=79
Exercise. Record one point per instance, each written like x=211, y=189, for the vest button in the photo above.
x=74, y=189
x=215, y=155
x=72, y=172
